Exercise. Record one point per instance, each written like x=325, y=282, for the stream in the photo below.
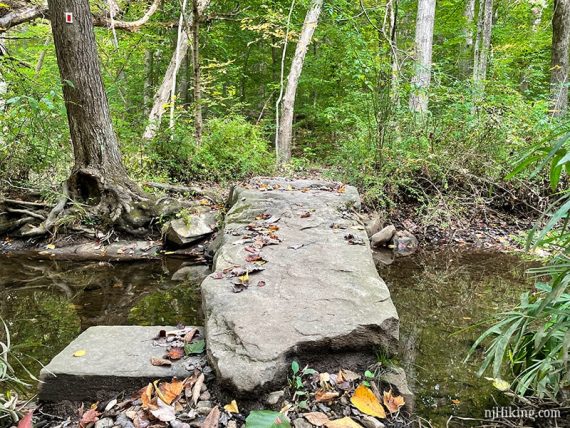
x=46, y=304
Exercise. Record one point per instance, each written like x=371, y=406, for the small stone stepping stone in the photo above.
x=110, y=360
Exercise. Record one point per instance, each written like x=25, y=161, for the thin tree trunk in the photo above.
x=392, y=12
x=163, y=93
x=185, y=81
x=285, y=129
x=559, y=63
x=482, y=44
x=424, y=44
x=178, y=60
x=98, y=176
x=147, y=91
x=465, y=62
x=198, y=121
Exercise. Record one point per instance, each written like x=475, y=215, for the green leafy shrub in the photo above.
x=232, y=148
x=532, y=340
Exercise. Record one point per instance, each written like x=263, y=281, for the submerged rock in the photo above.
x=309, y=291
x=405, y=243
x=185, y=231
x=194, y=273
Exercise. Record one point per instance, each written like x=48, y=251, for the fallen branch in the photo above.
x=26, y=212
x=24, y=203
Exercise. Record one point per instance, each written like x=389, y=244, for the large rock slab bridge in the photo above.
x=293, y=278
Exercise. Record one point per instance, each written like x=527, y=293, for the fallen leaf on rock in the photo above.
x=90, y=416
x=197, y=388
x=169, y=391
x=175, y=353
x=155, y=361
x=26, y=421
x=365, y=401
x=80, y=353
x=263, y=216
x=190, y=335
x=196, y=347
x=393, y=403
x=232, y=407
x=50, y=246
x=267, y=419
x=217, y=275
x=322, y=396
x=164, y=412
x=273, y=228
x=343, y=423
x=261, y=284
x=212, y=419
x=316, y=418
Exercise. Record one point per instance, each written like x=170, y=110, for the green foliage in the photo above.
x=196, y=347
x=297, y=382
x=267, y=419
x=533, y=339
x=232, y=149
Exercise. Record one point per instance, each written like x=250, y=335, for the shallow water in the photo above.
x=46, y=304
x=437, y=294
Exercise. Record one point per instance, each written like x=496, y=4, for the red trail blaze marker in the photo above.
x=68, y=17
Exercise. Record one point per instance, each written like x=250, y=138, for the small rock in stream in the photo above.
x=383, y=237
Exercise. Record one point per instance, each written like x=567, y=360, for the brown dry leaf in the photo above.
x=164, y=412
x=175, y=353
x=190, y=335
x=146, y=397
x=343, y=423
x=316, y=418
x=322, y=396
x=155, y=361
x=91, y=415
x=365, y=401
x=393, y=403
x=232, y=407
x=212, y=419
x=273, y=228
x=197, y=387
x=349, y=375
x=169, y=391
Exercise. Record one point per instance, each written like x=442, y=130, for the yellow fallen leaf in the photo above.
x=365, y=401
x=345, y=422
x=500, y=384
x=393, y=403
x=232, y=407
x=80, y=353
x=456, y=402
x=50, y=246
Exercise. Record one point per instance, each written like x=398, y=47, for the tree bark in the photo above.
x=482, y=44
x=163, y=93
x=465, y=62
x=179, y=60
x=285, y=128
x=424, y=44
x=98, y=177
x=559, y=62
x=198, y=121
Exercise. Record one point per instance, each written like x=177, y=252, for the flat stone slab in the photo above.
x=117, y=359
x=319, y=293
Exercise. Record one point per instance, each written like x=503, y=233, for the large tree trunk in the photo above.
x=162, y=95
x=424, y=44
x=482, y=44
x=465, y=61
x=285, y=129
x=559, y=63
x=98, y=177
x=198, y=121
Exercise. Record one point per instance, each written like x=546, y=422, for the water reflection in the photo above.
x=47, y=303
x=439, y=295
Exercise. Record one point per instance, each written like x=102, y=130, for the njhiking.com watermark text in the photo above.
x=509, y=412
